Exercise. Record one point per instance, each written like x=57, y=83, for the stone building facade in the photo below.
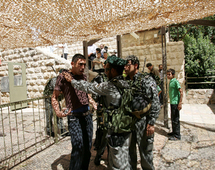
x=39, y=69
x=39, y=62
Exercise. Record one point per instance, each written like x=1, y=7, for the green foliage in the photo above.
x=199, y=55
x=199, y=45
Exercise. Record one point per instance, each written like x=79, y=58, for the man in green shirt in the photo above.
x=175, y=95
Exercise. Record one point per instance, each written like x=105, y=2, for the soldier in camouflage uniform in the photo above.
x=143, y=134
x=101, y=132
x=119, y=135
x=49, y=88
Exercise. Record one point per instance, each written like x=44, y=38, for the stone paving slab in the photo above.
x=194, y=151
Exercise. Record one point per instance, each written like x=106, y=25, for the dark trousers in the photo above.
x=145, y=145
x=175, y=120
x=81, y=132
x=161, y=95
x=102, y=143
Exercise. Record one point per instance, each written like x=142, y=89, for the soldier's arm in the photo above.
x=155, y=108
x=55, y=104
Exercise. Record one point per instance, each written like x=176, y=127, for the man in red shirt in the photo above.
x=80, y=122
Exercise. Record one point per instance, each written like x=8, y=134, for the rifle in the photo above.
x=54, y=70
x=144, y=65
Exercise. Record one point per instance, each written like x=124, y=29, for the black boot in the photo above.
x=97, y=160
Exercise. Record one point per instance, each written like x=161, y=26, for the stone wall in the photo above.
x=38, y=69
x=148, y=45
x=153, y=53
x=200, y=96
x=145, y=38
x=78, y=46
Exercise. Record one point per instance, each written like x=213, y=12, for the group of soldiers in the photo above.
x=142, y=130
x=127, y=108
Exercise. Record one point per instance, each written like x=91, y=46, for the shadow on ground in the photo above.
x=64, y=160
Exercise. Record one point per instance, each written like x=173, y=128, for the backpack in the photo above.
x=121, y=119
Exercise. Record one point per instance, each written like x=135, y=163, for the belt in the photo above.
x=81, y=113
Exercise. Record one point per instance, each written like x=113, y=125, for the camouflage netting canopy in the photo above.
x=30, y=23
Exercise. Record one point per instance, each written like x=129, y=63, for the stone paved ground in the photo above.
x=195, y=151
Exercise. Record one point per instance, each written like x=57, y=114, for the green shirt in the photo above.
x=174, y=93
x=158, y=88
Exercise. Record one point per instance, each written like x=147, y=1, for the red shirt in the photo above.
x=74, y=98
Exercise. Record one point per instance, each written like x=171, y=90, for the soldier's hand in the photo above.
x=150, y=130
x=67, y=76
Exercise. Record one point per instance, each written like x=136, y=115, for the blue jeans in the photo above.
x=81, y=132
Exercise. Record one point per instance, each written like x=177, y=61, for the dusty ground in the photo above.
x=195, y=151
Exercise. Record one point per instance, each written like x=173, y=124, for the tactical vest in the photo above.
x=119, y=119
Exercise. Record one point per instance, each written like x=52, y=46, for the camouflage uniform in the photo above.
x=118, y=153
x=101, y=132
x=145, y=143
x=49, y=88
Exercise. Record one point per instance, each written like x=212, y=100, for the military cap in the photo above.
x=114, y=60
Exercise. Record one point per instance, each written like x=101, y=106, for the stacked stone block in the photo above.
x=39, y=69
x=153, y=54
x=78, y=46
x=200, y=96
x=148, y=45
x=145, y=38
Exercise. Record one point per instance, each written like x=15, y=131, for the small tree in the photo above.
x=199, y=55
x=199, y=49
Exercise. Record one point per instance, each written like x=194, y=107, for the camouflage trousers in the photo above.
x=49, y=117
x=118, y=156
x=145, y=144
